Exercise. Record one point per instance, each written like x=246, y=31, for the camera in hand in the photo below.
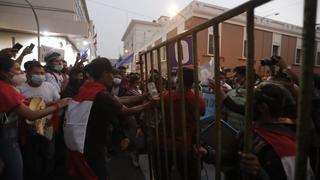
x=273, y=60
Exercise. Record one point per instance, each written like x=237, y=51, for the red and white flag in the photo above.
x=284, y=146
x=77, y=116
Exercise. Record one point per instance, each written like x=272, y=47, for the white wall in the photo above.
x=26, y=39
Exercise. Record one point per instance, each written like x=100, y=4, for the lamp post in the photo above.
x=268, y=15
x=38, y=26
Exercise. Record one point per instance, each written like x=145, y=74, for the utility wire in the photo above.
x=120, y=9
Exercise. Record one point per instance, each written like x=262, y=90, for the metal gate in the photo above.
x=305, y=94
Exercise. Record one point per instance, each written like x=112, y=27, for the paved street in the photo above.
x=121, y=168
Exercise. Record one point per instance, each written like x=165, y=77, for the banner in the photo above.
x=44, y=50
x=186, y=44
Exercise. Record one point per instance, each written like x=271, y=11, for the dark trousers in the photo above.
x=38, y=157
x=99, y=167
x=10, y=154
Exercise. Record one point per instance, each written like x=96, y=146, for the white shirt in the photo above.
x=46, y=91
x=56, y=80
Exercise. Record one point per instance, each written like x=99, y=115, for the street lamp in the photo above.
x=272, y=14
x=38, y=26
x=173, y=11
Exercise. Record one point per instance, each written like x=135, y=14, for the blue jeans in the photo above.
x=10, y=154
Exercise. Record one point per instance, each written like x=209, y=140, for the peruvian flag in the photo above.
x=285, y=147
x=77, y=116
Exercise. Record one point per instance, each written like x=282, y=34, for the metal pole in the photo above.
x=173, y=134
x=141, y=70
x=217, y=100
x=163, y=115
x=183, y=110
x=38, y=26
x=159, y=174
x=146, y=71
x=306, y=89
x=249, y=83
x=196, y=91
x=147, y=120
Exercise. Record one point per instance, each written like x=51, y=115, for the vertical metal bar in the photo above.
x=173, y=134
x=164, y=126
x=306, y=89
x=196, y=91
x=183, y=110
x=146, y=71
x=249, y=81
x=155, y=110
x=217, y=100
x=147, y=119
x=151, y=65
x=141, y=70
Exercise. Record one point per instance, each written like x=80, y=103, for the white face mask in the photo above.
x=19, y=79
x=116, y=81
x=37, y=79
x=58, y=67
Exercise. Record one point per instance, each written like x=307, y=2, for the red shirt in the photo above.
x=9, y=97
x=190, y=106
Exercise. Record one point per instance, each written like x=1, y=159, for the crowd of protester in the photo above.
x=67, y=121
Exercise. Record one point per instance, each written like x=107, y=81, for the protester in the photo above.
x=76, y=79
x=124, y=80
x=12, y=108
x=134, y=84
x=190, y=101
x=54, y=65
x=87, y=142
x=38, y=150
x=274, y=142
x=117, y=89
x=236, y=95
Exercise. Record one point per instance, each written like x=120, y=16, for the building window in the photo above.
x=244, y=53
x=163, y=54
x=275, y=50
x=211, y=44
x=318, y=59
x=298, y=56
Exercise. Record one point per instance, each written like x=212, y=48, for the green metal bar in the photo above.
x=306, y=89
x=163, y=115
x=155, y=110
x=223, y=17
x=183, y=110
x=217, y=100
x=196, y=91
x=173, y=134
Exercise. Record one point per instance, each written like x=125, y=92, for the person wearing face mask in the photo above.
x=12, y=109
x=54, y=62
x=117, y=90
x=37, y=150
x=36, y=86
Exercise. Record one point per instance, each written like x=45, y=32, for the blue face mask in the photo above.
x=116, y=81
x=37, y=79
